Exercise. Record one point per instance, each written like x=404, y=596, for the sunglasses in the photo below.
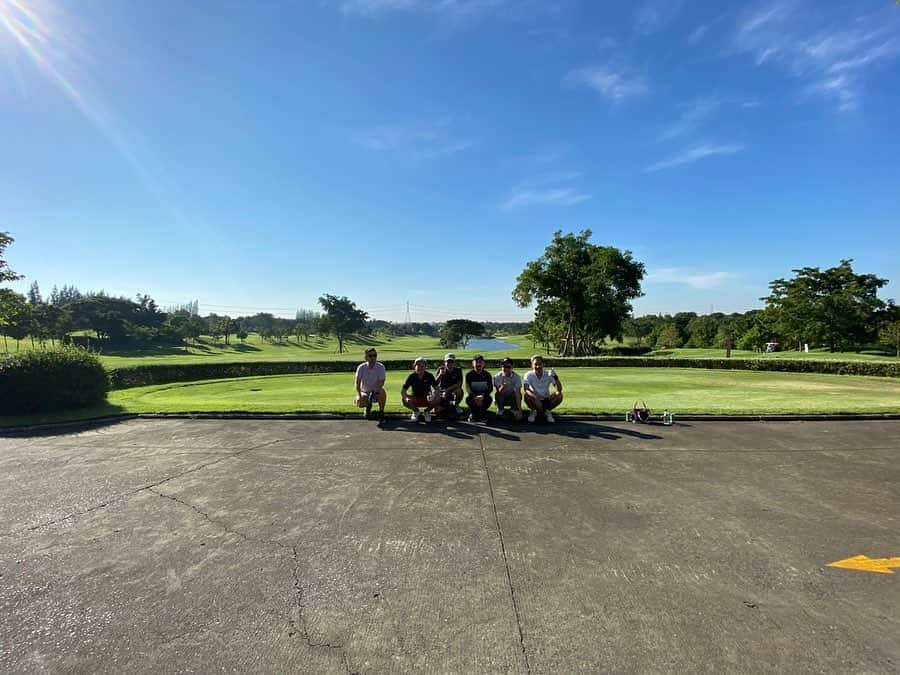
x=371, y=356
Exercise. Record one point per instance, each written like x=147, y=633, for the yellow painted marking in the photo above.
x=866, y=564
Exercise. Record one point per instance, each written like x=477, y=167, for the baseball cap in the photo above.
x=506, y=361
x=449, y=357
x=478, y=357
x=420, y=359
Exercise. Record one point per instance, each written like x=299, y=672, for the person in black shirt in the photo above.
x=422, y=384
x=449, y=387
x=479, y=384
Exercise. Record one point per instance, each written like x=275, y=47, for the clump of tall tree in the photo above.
x=582, y=292
x=835, y=307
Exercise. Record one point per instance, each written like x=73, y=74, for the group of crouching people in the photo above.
x=443, y=392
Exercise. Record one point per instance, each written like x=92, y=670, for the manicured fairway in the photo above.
x=587, y=390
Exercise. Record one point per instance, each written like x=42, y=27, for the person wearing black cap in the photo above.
x=508, y=388
x=478, y=387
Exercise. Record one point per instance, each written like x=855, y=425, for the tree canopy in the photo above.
x=342, y=318
x=586, y=288
x=6, y=274
x=456, y=332
x=835, y=307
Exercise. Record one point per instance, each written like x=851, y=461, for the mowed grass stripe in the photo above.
x=587, y=390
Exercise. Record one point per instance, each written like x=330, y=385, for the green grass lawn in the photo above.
x=587, y=390
x=316, y=349
x=814, y=355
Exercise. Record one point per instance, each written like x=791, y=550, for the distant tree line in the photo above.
x=119, y=322
x=582, y=295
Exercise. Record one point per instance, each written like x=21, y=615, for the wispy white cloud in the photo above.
x=697, y=34
x=561, y=196
x=697, y=153
x=830, y=54
x=692, y=115
x=454, y=10
x=615, y=83
x=652, y=15
x=417, y=140
x=374, y=7
x=689, y=277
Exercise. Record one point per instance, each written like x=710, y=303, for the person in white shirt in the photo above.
x=537, y=390
x=508, y=389
x=370, y=377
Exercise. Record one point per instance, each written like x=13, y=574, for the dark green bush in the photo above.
x=44, y=380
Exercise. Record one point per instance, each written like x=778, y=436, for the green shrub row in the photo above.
x=139, y=376
x=46, y=380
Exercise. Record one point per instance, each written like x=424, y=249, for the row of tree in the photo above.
x=582, y=295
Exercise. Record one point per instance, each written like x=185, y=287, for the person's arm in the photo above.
x=469, y=383
x=558, y=383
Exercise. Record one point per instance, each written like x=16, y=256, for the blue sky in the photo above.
x=255, y=155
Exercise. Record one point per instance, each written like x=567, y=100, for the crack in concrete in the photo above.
x=131, y=493
x=299, y=624
x=512, y=590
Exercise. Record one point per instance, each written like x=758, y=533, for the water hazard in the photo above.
x=489, y=345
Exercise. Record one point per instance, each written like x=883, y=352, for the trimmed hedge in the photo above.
x=46, y=380
x=139, y=376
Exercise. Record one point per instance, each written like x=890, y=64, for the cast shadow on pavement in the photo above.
x=516, y=432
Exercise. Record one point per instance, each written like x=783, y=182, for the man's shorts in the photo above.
x=420, y=401
x=507, y=401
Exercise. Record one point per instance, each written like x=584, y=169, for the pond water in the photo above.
x=489, y=345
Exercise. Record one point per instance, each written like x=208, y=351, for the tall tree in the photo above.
x=34, y=294
x=592, y=287
x=342, y=318
x=456, y=332
x=6, y=274
x=835, y=307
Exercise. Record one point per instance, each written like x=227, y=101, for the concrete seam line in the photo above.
x=300, y=623
x=512, y=590
x=131, y=493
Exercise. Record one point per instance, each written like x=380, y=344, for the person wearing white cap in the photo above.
x=449, y=387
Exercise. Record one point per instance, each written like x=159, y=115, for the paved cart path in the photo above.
x=339, y=546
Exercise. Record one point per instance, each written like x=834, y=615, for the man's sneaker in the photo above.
x=427, y=417
x=415, y=416
x=499, y=411
x=550, y=419
x=532, y=416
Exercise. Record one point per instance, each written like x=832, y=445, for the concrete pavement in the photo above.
x=339, y=546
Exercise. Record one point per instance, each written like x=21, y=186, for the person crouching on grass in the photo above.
x=449, y=386
x=508, y=387
x=370, y=377
x=422, y=384
x=537, y=390
x=479, y=385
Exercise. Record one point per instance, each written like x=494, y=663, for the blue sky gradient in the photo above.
x=254, y=156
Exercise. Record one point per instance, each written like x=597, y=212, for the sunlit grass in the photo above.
x=587, y=390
